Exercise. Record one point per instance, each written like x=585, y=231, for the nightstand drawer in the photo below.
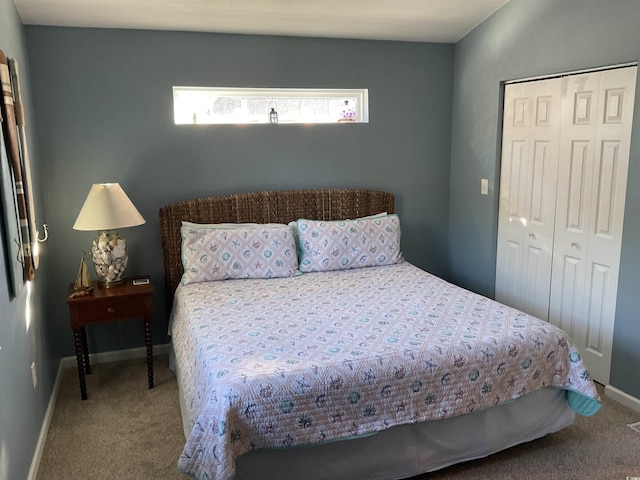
x=99, y=311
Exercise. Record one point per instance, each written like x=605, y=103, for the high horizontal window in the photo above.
x=212, y=105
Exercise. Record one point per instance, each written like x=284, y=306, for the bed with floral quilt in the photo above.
x=310, y=348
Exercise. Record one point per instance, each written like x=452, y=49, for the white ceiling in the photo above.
x=445, y=21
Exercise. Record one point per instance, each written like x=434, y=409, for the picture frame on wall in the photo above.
x=9, y=228
x=17, y=200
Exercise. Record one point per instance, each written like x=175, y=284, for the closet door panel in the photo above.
x=596, y=320
x=569, y=308
x=575, y=195
x=535, y=294
x=609, y=187
x=575, y=171
x=541, y=195
x=527, y=195
x=594, y=155
x=511, y=236
x=510, y=267
x=515, y=148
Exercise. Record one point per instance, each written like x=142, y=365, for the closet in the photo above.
x=565, y=156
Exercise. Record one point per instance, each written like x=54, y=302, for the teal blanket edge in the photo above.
x=582, y=404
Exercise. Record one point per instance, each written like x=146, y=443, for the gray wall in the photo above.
x=23, y=336
x=529, y=38
x=103, y=100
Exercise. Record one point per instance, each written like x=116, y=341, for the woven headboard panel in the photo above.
x=262, y=207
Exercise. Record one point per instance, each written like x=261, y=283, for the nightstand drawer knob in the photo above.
x=111, y=310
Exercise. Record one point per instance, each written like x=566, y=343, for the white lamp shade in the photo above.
x=107, y=207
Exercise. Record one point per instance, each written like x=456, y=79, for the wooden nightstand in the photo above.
x=104, y=305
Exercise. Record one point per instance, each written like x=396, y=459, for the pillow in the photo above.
x=295, y=230
x=344, y=244
x=224, y=251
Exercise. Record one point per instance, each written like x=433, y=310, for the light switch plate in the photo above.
x=484, y=186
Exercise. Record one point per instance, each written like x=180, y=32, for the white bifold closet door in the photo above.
x=530, y=145
x=565, y=155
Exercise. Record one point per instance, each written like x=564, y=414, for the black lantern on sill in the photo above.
x=273, y=116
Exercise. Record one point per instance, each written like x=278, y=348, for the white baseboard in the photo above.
x=44, y=429
x=66, y=362
x=621, y=397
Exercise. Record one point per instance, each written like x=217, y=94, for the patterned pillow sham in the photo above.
x=225, y=251
x=345, y=244
x=295, y=230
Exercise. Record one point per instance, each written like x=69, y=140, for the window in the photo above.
x=212, y=105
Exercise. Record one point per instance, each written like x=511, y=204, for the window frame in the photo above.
x=361, y=109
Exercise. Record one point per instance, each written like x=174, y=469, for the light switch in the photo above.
x=484, y=186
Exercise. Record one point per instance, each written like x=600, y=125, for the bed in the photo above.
x=318, y=364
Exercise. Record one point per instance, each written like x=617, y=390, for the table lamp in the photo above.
x=106, y=209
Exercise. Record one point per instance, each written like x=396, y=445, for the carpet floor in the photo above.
x=125, y=431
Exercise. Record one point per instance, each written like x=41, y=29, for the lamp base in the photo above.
x=109, y=255
x=106, y=284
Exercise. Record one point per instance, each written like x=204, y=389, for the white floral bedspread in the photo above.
x=302, y=360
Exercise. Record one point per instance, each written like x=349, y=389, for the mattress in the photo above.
x=320, y=357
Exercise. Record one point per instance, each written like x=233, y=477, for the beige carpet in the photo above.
x=125, y=431
x=122, y=431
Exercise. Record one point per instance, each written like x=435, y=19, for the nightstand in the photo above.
x=102, y=305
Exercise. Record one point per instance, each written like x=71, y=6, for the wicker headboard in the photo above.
x=262, y=207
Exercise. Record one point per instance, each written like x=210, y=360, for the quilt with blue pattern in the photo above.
x=295, y=361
